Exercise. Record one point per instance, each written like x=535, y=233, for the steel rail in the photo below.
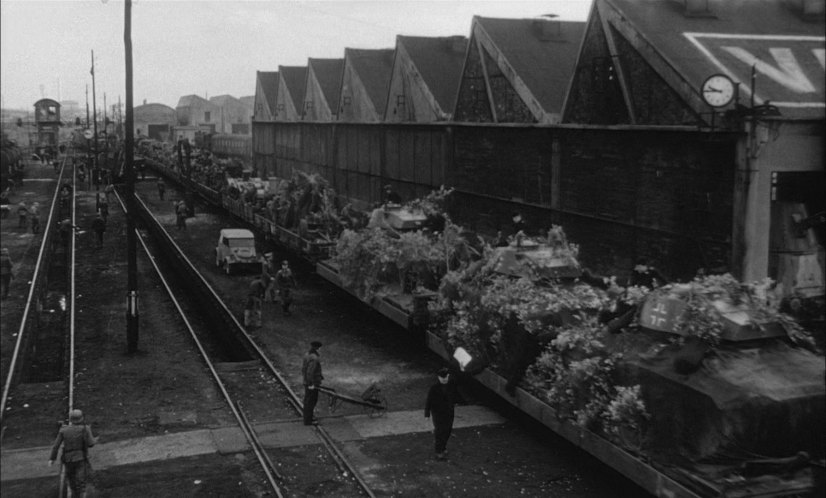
x=257, y=441
x=245, y=428
x=338, y=456
x=28, y=306
x=72, y=247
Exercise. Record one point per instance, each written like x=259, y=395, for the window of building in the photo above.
x=206, y=116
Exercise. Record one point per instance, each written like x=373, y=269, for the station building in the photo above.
x=662, y=64
x=619, y=129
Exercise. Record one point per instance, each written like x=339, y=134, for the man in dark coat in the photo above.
x=6, y=271
x=161, y=188
x=76, y=438
x=440, y=400
x=180, y=215
x=311, y=373
x=99, y=227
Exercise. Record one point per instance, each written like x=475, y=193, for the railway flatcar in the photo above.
x=225, y=145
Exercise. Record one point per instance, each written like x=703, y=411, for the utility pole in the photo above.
x=129, y=172
x=105, y=132
x=95, y=122
x=87, y=105
x=120, y=118
x=92, y=171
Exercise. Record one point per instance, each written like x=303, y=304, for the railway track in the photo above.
x=45, y=348
x=250, y=383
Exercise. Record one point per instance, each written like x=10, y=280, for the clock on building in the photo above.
x=718, y=90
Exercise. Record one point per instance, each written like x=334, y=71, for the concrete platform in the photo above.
x=31, y=463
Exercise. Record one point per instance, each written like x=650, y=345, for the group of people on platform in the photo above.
x=263, y=289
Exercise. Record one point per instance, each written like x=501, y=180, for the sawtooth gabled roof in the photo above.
x=328, y=74
x=374, y=68
x=730, y=38
x=295, y=77
x=542, y=52
x=439, y=61
x=269, y=84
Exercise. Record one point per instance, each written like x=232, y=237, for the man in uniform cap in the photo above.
x=311, y=373
x=76, y=439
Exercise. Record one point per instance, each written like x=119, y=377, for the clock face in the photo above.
x=718, y=90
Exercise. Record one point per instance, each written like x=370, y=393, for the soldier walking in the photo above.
x=285, y=280
x=23, y=215
x=99, y=227
x=34, y=212
x=76, y=439
x=180, y=215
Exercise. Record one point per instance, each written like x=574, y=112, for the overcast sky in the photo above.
x=211, y=47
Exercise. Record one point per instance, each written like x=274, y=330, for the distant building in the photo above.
x=232, y=116
x=518, y=70
x=425, y=78
x=154, y=121
x=292, y=81
x=364, y=86
x=323, y=89
x=196, y=111
x=266, y=92
x=249, y=101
